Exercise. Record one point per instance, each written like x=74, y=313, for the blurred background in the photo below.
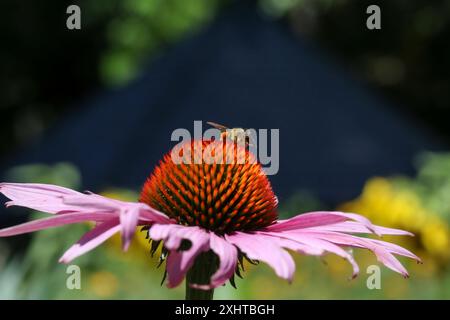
x=363, y=118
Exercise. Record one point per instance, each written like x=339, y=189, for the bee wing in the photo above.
x=216, y=125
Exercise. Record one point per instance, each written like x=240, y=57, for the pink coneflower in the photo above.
x=210, y=216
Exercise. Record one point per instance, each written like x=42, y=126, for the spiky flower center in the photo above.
x=218, y=186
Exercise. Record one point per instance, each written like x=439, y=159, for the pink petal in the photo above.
x=149, y=214
x=92, y=239
x=174, y=271
x=258, y=247
x=179, y=262
x=30, y=190
x=55, y=199
x=54, y=221
x=317, y=243
x=382, y=251
x=172, y=234
x=292, y=244
x=97, y=202
x=354, y=241
x=396, y=249
x=355, y=227
x=41, y=197
x=130, y=213
x=318, y=218
x=93, y=202
x=129, y=221
x=300, y=247
x=227, y=254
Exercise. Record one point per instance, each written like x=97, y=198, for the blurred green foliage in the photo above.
x=142, y=28
x=62, y=174
x=433, y=182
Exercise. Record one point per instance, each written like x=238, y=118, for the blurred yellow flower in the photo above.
x=103, y=284
x=386, y=204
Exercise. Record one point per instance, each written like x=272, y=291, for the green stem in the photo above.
x=200, y=273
